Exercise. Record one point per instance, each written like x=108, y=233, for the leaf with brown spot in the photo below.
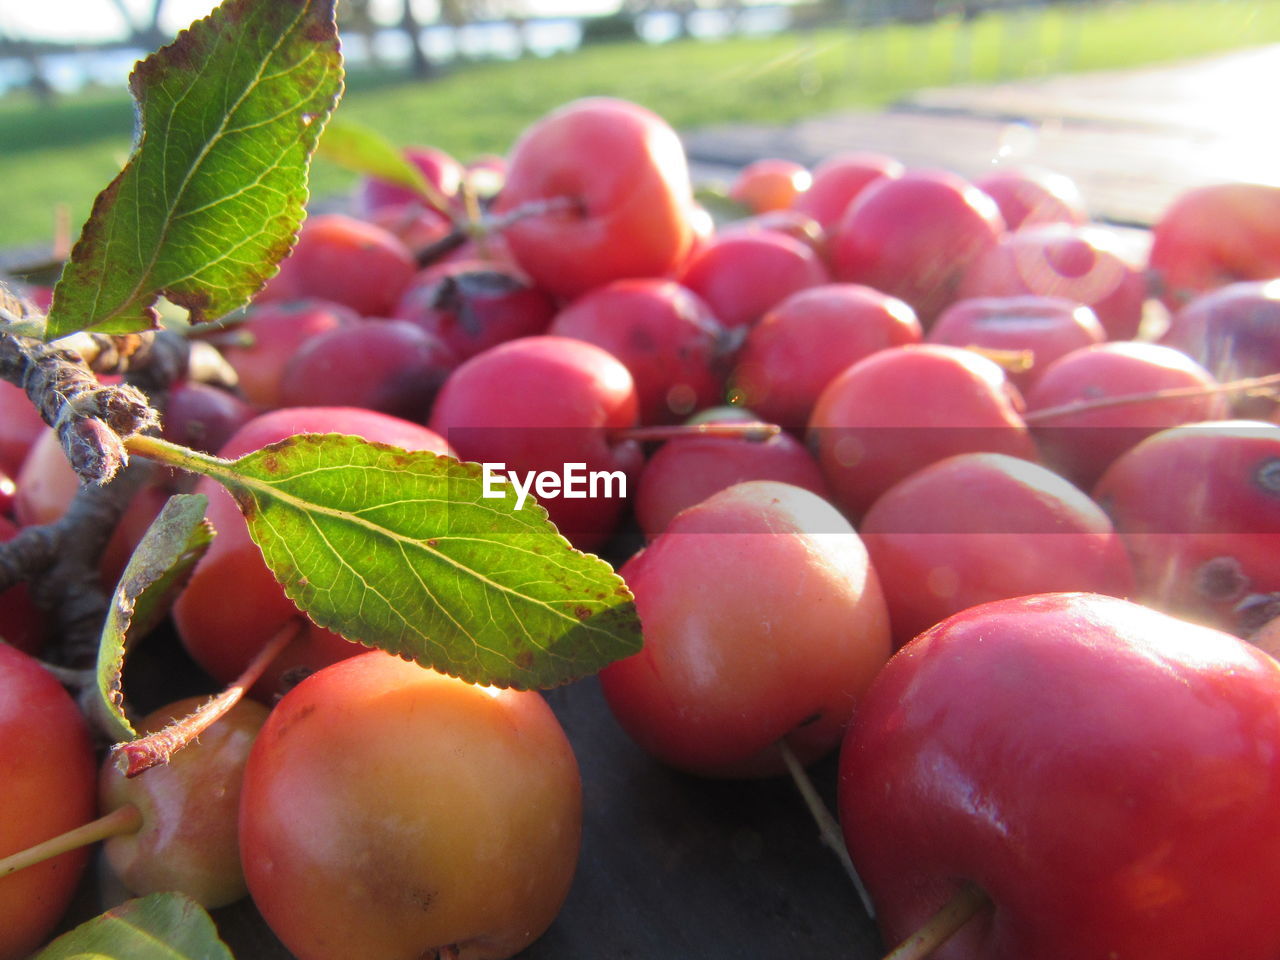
x=162, y=926
x=212, y=196
x=400, y=550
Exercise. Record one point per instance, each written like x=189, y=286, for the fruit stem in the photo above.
x=967, y=903
x=1260, y=385
x=122, y=820
x=175, y=455
x=1010, y=361
x=751, y=431
x=536, y=208
x=828, y=829
x=137, y=756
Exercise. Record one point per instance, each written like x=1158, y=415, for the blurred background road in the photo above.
x=1132, y=139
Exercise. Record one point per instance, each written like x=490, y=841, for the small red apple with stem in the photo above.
x=597, y=190
x=1107, y=776
x=1031, y=329
x=1081, y=440
x=47, y=788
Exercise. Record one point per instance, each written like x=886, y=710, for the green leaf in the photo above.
x=401, y=551
x=364, y=150
x=212, y=197
x=158, y=569
x=163, y=926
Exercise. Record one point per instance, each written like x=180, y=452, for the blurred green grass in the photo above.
x=64, y=154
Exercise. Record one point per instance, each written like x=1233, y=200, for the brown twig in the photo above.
x=91, y=420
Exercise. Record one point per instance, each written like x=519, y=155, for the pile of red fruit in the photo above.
x=1046, y=475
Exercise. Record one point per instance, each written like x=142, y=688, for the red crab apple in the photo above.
x=771, y=183
x=1108, y=776
x=914, y=237
x=389, y=811
x=418, y=227
x=472, y=305
x=1040, y=328
x=984, y=526
x=686, y=470
x=47, y=788
x=876, y=422
x=1234, y=331
x=838, y=180
x=613, y=181
x=259, y=348
x=347, y=261
x=203, y=416
x=792, y=223
x=1215, y=235
x=741, y=274
x=805, y=341
x=534, y=406
x=232, y=606
x=1082, y=441
x=1028, y=196
x=392, y=366
x=1198, y=506
x=664, y=334
x=190, y=808
x=1083, y=264
x=763, y=622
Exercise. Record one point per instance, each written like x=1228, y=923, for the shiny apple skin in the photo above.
x=985, y=526
x=1108, y=775
x=389, y=812
x=190, y=806
x=1214, y=235
x=47, y=776
x=1199, y=509
x=623, y=173
x=762, y=620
